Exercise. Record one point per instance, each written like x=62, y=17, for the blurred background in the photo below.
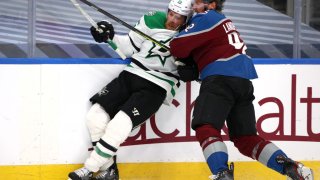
x=56, y=29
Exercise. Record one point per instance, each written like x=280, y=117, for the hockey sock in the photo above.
x=116, y=132
x=258, y=148
x=107, y=165
x=268, y=157
x=97, y=120
x=214, y=149
x=216, y=154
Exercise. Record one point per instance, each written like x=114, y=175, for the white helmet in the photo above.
x=182, y=7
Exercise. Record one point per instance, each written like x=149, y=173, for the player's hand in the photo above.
x=188, y=73
x=107, y=32
x=188, y=69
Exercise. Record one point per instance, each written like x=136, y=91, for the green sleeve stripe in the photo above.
x=168, y=81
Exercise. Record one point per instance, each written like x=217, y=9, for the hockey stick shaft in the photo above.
x=125, y=24
x=85, y=14
x=94, y=24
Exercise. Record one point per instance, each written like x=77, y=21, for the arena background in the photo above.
x=50, y=66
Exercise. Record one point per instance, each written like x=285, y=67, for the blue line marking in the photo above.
x=26, y=61
x=272, y=61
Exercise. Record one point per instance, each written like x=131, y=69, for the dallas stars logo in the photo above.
x=162, y=59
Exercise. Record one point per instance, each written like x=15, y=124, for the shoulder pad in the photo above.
x=155, y=19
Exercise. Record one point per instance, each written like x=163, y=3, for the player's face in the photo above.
x=174, y=20
x=198, y=6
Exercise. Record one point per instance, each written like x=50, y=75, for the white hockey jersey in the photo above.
x=147, y=61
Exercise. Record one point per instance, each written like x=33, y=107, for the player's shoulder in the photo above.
x=210, y=16
x=215, y=16
x=155, y=19
x=203, y=22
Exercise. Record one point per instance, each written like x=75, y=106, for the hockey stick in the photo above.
x=125, y=24
x=94, y=24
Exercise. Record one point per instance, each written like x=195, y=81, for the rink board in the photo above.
x=44, y=102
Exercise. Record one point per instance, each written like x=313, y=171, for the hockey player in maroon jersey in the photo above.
x=226, y=93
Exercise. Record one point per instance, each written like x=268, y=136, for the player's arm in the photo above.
x=189, y=71
x=189, y=39
x=128, y=44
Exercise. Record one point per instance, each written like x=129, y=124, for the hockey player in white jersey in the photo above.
x=138, y=92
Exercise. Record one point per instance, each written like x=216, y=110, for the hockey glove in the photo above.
x=188, y=72
x=107, y=32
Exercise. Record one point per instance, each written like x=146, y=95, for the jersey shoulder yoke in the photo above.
x=155, y=20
